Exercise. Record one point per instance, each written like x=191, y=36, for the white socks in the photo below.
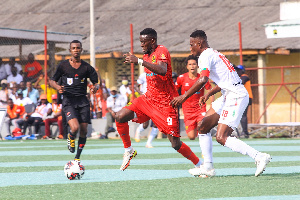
x=205, y=142
x=140, y=128
x=152, y=135
x=241, y=147
x=128, y=149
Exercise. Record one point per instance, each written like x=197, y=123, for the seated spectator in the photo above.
x=3, y=74
x=115, y=102
x=14, y=116
x=32, y=70
x=31, y=92
x=55, y=116
x=36, y=118
x=12, y=63
x=14, y=94
x=14, y=76
x=4, y=92
x=50, y=91
x=22, y=85
x=20, y=100
x=124, y=88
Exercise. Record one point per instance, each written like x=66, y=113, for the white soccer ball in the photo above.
x=74, y=170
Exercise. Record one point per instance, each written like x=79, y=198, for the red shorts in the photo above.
x=164, y=117
x=192, y=119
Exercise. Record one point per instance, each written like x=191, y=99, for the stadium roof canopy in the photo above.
x=173, y=20
x=9, y=36
x=20, y=37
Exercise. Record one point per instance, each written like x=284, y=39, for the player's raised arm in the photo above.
x=196, y=87
x=160, y=68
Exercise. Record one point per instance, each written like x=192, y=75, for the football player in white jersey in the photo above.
x=226, y=111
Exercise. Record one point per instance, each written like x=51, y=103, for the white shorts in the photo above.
x=230, y=109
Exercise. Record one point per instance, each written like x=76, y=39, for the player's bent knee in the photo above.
x=221, y=139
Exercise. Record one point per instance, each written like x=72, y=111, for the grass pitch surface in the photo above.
x=34, y=170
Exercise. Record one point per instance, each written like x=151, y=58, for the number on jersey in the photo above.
x=169, y=120
x=225, y=113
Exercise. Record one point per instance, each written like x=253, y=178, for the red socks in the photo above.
x=186, y=151
x=123, y=130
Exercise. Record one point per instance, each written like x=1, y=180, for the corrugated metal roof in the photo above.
x=173, y=20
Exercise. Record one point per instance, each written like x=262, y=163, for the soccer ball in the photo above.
x=74, y=170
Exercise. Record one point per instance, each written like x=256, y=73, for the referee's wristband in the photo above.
x=140, y=61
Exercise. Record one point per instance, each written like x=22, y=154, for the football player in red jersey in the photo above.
x=155, y=103
x=193, y=112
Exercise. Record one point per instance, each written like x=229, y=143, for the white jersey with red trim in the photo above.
x=217, y=67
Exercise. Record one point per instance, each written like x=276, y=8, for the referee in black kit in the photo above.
x=76, y=107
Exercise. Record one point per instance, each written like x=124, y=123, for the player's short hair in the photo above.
x=150, y=32
x=76, y=41
x=199, y=34
x=191, y=57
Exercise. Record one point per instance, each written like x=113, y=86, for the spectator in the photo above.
x=106, y=94
x=32, y=70
x=124, y=88
x=14, y=94
x=55, y=116
x=31, y=92
x=20, y=100
x=14, y=116
x=115, y=102
x=14, y=76
x=3, y=74
x=50, y=90
x=22, y=85
x=12, y=63
x=36, y=118
x=4, y=92
x=240, y=69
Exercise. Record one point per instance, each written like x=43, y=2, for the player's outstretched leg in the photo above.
x=123, y=130
x=184, y=150
x=261, y=159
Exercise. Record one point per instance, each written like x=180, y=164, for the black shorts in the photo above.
x=76, y=107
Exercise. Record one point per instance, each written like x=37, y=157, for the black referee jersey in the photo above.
x=75, y=80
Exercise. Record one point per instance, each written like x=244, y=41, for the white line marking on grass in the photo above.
x=158, y=150
x=165, y=161
x=110, y=175
x=289, y=197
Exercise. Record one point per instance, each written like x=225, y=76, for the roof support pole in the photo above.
x=241, y=46
x=132, y=64
x=45, y=60
x=92, y=35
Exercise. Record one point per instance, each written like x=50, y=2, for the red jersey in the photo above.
x=160, y=89
x=191, y=105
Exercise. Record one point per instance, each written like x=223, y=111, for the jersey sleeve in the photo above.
x=163, y=55
x=178, y=83
x=58, y=73
x=204, y=65
x=93, y=74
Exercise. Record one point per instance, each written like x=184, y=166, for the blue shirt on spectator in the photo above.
x=34, y=95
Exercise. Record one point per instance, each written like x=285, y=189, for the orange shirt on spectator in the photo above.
x=32, y=68
x=15, y=111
